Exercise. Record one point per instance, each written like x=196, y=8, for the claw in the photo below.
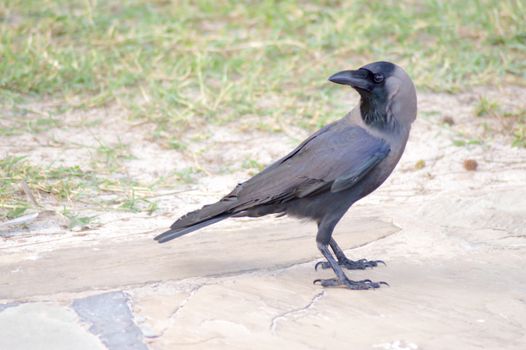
x=384, y=283
x=355, y=285
x=361, y=264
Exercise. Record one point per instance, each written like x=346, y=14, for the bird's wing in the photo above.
x=332, y=160
x=321, y=131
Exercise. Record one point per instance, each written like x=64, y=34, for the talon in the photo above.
x=356, y=285
x=384, y=283
x=361, y=264
x=366, y=281
x=316, y=266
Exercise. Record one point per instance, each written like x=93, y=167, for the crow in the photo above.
x=329, y=171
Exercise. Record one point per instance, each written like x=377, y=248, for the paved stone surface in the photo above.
x=6, y=306
x=116, y=263
x=110, y=319
x=39, y=326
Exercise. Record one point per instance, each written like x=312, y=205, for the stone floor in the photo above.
x=245, y=285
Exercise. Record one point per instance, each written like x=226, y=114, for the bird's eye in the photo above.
x=378, y=78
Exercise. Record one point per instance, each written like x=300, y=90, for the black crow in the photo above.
x=329, y=171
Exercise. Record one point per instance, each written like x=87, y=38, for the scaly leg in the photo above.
x=323, y=239
x=361, y=264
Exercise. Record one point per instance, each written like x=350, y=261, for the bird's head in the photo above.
x=388, y=95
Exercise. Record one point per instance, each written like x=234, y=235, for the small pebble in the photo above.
x=470, y=164
x=420, y=164
x=448, y=120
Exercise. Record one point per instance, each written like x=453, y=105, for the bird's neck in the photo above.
x=375, y=112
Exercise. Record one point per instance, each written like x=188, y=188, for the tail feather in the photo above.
x=181, y=231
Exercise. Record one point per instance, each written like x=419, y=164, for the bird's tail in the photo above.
x=178, y=232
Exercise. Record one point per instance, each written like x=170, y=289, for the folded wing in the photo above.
x=334, y=159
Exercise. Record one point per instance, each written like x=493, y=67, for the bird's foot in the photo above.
x=361, y=264
x=355, y=285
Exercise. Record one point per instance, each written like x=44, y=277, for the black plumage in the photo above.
x=330, y=170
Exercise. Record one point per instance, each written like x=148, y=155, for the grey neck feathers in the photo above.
x=376, y=112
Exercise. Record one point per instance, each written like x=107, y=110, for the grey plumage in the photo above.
x=329, y=171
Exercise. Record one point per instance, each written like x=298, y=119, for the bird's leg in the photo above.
x=323, y=239
x=361, y=264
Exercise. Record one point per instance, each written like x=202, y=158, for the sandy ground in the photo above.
x=454, y=242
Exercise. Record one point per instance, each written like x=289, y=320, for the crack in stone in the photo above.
x=304, y=309
x=185, y=301
x=365, y=244
x=174, y=313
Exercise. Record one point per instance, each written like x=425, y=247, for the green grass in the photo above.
x=76, y=220
x=109, y=157
x=182, y=64
x=519, y=136
x=253, y=166
x=486, y=107
x=513, y=121
x=518, y=120
x=189, y=62
x=54, y=187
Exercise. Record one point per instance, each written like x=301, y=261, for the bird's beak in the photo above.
x=358, y=79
